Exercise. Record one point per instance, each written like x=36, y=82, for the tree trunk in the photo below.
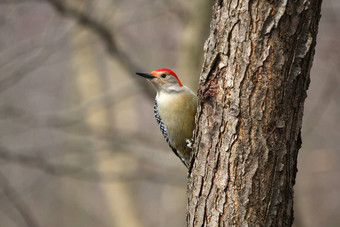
x=252, y=90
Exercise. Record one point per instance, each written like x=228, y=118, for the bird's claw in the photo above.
x=189, y=142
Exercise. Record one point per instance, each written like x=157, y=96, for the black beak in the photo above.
x=146, y=75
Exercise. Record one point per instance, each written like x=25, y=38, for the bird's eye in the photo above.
x=163, y=75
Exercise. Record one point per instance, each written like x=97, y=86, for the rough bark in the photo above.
x=252, y=90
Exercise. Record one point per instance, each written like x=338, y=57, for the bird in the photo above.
x=174, y=109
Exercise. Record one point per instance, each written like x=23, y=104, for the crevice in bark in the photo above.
x=252, y=89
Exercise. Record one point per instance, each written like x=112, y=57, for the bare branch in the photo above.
x=82, y=173
x=106, y=35
x=76, y=115
x=19, y=71
x=17, y=201
x=158, y=9
x=15, y=1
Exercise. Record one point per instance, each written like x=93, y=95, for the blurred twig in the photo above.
x=15, y=1
x=14, y=197
x=82, y=173
x=158, y=8
x=76, y=115
x=29, y=66
x=107, y=36
x=42, y=49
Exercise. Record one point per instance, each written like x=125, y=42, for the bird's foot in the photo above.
x=190, y=142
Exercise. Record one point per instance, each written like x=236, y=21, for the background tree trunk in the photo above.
x=252, y=90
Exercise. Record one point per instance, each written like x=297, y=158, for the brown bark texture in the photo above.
x=251, y=94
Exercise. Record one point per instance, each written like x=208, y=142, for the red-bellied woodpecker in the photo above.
x=174, y=108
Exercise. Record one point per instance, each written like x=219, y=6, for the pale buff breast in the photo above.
x=177, y=111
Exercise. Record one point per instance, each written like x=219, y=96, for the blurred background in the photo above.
x=79, y=145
